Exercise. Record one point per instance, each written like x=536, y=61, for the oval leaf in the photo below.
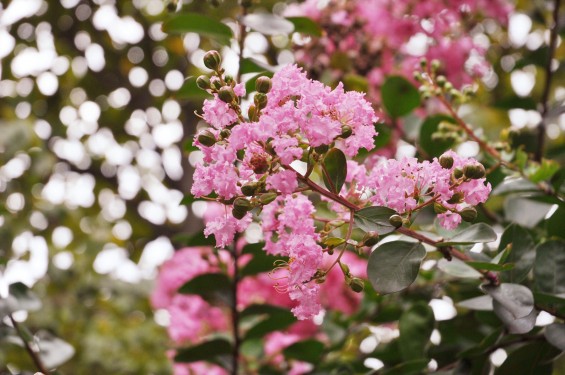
x=375, y=219
x=555, y=335
x=393, y=266
x=306, y=26
x=549, y=268
x=515, y=325
x=516, y=298
x=334, y=170
x=476, y=233
x=214, y=288
x=204, y=352
x=306, y=350
x=399, y=96
x=268, y=24
x=530, y=359
x=458, y=268
x=200, y=24
x=522, y=253
x=416, y=326
x=430, y=126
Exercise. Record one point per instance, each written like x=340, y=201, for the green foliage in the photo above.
x=334, y=170
x=375, y=219
x=399, y=96
x=200, y=24
x=212, y=287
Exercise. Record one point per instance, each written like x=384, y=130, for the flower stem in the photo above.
x=32, y=353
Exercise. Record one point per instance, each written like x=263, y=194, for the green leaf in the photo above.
x=458, y=268
x=416, y=326
x=515, y=325
x=434, y=147
x=476, y=233
x=555, y=335
x=268, y=24
x=261, y=261
x=525, y=212
x=491, y=266
x=191, y=240
x=516, y=298
x=306, y=26
x=333, y=241
x=334, y=170
x=200, y=24
x=272, y=318
x=207, y=351
x=408, y=368
x=53, y=351
x=375, y=219
x=481, y=303
x=530, y=359
x=399, y=96
x=522, y=253
x=251, y=65
x=306, y=350
x=393, y=266
x=549, y=268
x=187, y=200
x=215, y=288
x=355, y=82
x=544, y=171
x=190, y=91
x=20, y=297
x=515, y=185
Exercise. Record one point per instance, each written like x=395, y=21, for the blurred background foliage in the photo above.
x=95, y=119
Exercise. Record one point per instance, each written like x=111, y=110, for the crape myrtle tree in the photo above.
x=379, y=182
x=380, y=187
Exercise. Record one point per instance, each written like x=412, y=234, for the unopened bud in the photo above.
x=252, y=111
x=435, y=64
x=321, y=149
x=468, y=214
x=446, y=161
x=267, y=198
x=356, y=284
x=260, y=100
x=239, y=212
x=206, y=138
x=228, y=79
x=395, y=221
x=344, y=268
x=249, y=189
x=440, y=80
x=242, y=203
x=457, y=173
x=474, y=171
x=225, y=133
x=226, y=94
x=456, y=198
x=263, y=84
x=370, y=239
x=439, y=209
x=203, y=82
x=423, y=63
x=346, y=131
x=212, y=60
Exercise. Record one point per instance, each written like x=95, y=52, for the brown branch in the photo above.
x=32, y=353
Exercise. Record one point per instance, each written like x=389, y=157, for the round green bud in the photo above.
x=395, y=221
x=370, y=239
x=423, y=63
x=206, y=138
x=441, y=81
x=268, y=197
x=212, y=60
x=446, y=161
x=468, y=214
x=225, y=133
x=457, y=173
x=439, y=209
x=203, y=82
x=346, y=131
x=226, y=94
x=435, y=64
x=356, y=284
x=456, y=198
x=249, y=189
x=252, y=111
x=228, y=79
x=474, y=171
x=242, y=203
x=239, y=212
x=260, y=100
x=263, y=84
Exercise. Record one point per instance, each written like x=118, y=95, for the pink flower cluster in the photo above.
x=405, y=184
x=383, y=37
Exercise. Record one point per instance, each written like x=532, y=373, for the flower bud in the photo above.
x=457, y=173
x=344, y=268
x=456, y=198
x=206, y=138
x=203, y=82
x=242, y=203
x=225, y=133
x=321, y=149
x=249, y=189
x=468, y=214
x=395, y=221
x=239, y=212
x=440, y=80
x=423, y=63
x=263, y=85
x=370, y=239
x=474, y=171
x=435, y=64
x=226, y=94
x=446, y=161
x=356, y=284
x=212, y=60
x=251, y=112
x=268, y=197
x=260, y=100
x=346, y=131
x=439, y=209
x=228, y=79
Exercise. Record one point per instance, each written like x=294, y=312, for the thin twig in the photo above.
x=547, y=84
x=32, y=353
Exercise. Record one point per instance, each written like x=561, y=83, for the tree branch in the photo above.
x=32, y=353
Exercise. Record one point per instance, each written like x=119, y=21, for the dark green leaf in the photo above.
x=476, y=233
x=306, y=26
x=416, y=326
x=393, y=266
x=207, y=351
x=273, y=318
x=484, y=345
x=549, y=268
x=515, y=325
x=20, y=297
x=375, y=219
x=515, y=298
x=521, y=254
x=306, y=350
x=408, y=368
x=261, y=261
x=190, y=91
x=215, y=288
x=268, y=24
x=555, y=335
x=525, y=212
x=197, y=239
x=481, y=303
x=250, y=65
x=399, y=96
x=200, y=24
x=335, y=170
x=434, y=147
x=530, y=359
x=188, y=199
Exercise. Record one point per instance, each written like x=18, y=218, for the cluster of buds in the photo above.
x=437, y=85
